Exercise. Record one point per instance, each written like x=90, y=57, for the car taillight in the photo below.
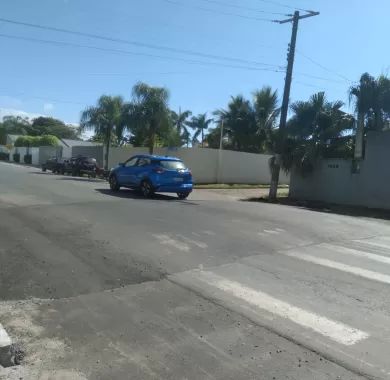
x=159, y=170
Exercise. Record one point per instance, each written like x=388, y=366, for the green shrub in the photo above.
x=16, y=157
x=36, y=141
x=27, y=158
x=4, y=156
x=48, y=140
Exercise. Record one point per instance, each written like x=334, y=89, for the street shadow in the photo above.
x=134, y=194
x=329, y=208
x=80, y=179
x=42, y=173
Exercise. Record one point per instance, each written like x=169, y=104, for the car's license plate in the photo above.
x=178, y=179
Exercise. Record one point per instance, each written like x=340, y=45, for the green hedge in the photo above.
x=36, y=141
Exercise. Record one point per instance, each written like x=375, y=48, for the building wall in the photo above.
x=235, y=167
x=89, y=151
x=45, y=152
x=35, y=156
x=67, y=152
x=333, y=180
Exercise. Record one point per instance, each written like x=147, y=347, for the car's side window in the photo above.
x=131, y=162
x=143, y=162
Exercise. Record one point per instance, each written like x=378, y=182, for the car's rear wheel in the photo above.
x=43, y=168
x=147, y=189
x=183, y=195
x=114, y=185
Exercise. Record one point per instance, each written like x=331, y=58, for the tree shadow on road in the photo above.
x=133, y=194
x=329, y=208
x=80, y=179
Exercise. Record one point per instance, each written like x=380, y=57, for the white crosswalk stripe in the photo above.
x=336, y=331
x=5, y=340
x=340, y=266
x=303, y=292
x=357, y=252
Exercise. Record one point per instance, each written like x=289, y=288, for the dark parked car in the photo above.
x=55, y=165
x=77, y=166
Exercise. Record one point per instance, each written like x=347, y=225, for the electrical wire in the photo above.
x=135, y=43
x=318, y=77
x=71, y=44
x=243, y=7
x=218, y=12
x=283, y=5
x=323, y=67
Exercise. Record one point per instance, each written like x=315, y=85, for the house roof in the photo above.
x=71, y=143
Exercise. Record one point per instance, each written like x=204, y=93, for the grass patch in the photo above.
x=232, y=186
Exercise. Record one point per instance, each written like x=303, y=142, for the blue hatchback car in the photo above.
x=152, y=174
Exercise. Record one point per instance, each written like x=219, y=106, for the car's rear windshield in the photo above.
x=171, y=165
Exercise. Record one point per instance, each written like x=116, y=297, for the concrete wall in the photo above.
x=235, y=167
x=67, y=152
x=89, y=151
x=35, y=156
x=45, y=152
x=333, y=180
x=23, y=151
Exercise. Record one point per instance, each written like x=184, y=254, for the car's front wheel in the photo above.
x=114, y=185
x=147, y=189
x=183, y=195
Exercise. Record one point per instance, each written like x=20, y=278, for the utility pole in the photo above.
x=280, y=143
x=220, y=151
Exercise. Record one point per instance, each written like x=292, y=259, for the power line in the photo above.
x=319, y=77
x=242, y=7
x=71, y=44
x=324, y=68
x=135, y=43
x=218, y=12
x=311, y=85
x=283, y=5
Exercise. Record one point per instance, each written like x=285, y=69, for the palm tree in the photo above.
x=200, y=123
x=149, y=115
x=106, y=119
x=372, y=105
x=239, y=124
x=248, y=126
x=180, y=121
x=315, y=125
x=265, y=104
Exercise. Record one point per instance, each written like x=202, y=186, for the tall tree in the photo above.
x=239, y=124
x=180, y=121
x=372, y=105
x=315, y=126
x=248, y=125
x=105, y=119
x=149, y=115
x=50, y=126
x=13, y=125
x=199, y=123
x=265, y=104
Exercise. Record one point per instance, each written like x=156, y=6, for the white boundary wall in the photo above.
x=22, y=151
x=211, y=165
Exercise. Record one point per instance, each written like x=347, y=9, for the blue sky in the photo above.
x=347, y=39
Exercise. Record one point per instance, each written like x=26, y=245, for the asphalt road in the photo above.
x=97, y=285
